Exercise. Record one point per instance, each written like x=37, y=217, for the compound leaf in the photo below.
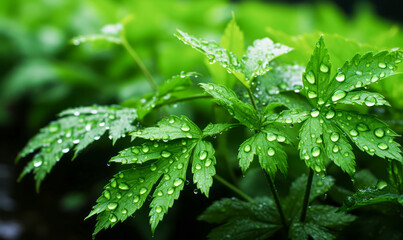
x=76, y=129
x=203, y=166
x=329, y=216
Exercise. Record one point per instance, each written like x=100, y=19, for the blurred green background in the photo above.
x=42, y=73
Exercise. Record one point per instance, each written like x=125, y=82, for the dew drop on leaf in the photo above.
x=202, y=155
x=113, y=183
x=165, y=154
x=353, y=133
x=145, y=149
x=178, y=182
x=198, y=167
x=370, y=101
x=158, y=209
x=112, y=206
x=340, y=77
x=362, y=127
x=153, y=167
x=280, y=138
x=208, y=163
x=123, y=186
x=324, y=68
x=124, y=211
x=335, y=136
x=339, y=94
x=185, y=127
x=382, y=65
x=318, y=169
x=271, y=151
x=136, y=199
x=112, y=218
x=135, y=150
x=143, y=190
x=315, y=151
x=379, y=132
x=383, y=146
x=107, y=194
x=270, y=137
x=330, y=114
x=179, y=166
x=312, y=94
x=315, y=113
x=335, y=148
x=38, y=162
x=310, y=77
x=170, y=191
x=381, y=185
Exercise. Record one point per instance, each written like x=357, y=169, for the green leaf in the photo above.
x=316, y=75
x=292, y=116
x=110, y=34
x=227, y=98
x=148, y=151
x=338, y=149
x=214, y=51
x=257, y=58
x=395, y=172
x=369, y=134
x=363, y=97
x=329, y=216
x=203, y=166
x=76, y=129
x=176, y=83
x=370, y=196
x=302, y=231
x=169, y=129
x=270, y=153
x=218, y=128
x=311, y=146
x=362, y=71
x=294, y=200
x=242, y=220
x=128, y=191
x=289, y=100
x=233, y=39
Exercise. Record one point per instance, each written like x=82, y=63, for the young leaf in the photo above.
x=257, y=58
x=76, y=129
x=242, y=220
x=203, y=166
x=110, y=34
x=218, y=128
x=364, y=70
x=316, y=75
x=227, y=98
x=175, y=83
x=233, y=39
x=169, y=129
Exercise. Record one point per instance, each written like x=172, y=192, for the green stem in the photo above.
x=251, y=98
x=233, y=188
x=276, y=200
x=138, y=61
x=306, y=197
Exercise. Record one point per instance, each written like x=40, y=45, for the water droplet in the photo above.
x=76, y=141
x=208, y=162
x=177, y=182
x=179, y=166
x=203, y=155
x=271, y=151
x=319, y=183
x=382, y=65
x=362, y=127
x=135, y=150
x=379, y=132
x=158, y=209
x=124, y=211
x=65, y=150
x=324, y=68
x=358, y=84
x=113, y=183
x=315, y=151
x=330, y=114
x=54, y=128
x=310, y=77
x=145, y=149
x=153, y=167
x=96, y=138
x=353, y=133
x=143, y=190
x=280, y=138
x=334, y=137
x=383, y=146
x=339, y=94
x=335, y=148
x=185, y=127
x=37, y=162
x=159, y=194
x=315, y=113
x=370, y=101
x=118, y=195
x=123, y=186
x=170, y=191
x=312, y=94
x=340, y=77
x=247, y=148
x=318, y=169
x=112, y=218
x=165, y=154
x=88, y=127
x=358, y=73
x=198, y=167
x=288, y=121
x=270, y=137
x=381, y=185
x=107, y=194
x=136, y=199
x=112, y=205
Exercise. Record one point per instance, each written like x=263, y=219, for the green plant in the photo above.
x=271, y=94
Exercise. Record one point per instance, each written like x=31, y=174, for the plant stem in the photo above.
x=251, y=98
x=138, y=61
x=233, y=188
x=276, y=200
x=306, y=197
